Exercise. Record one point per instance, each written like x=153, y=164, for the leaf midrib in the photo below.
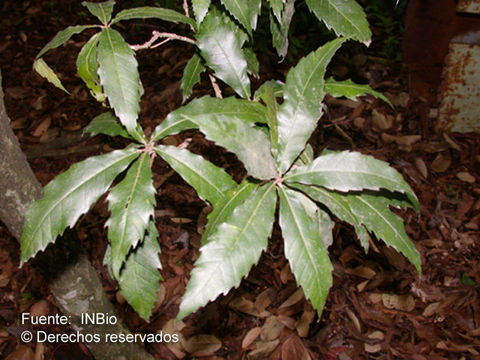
x=46, y=214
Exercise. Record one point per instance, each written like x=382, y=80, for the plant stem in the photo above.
x=160, y=35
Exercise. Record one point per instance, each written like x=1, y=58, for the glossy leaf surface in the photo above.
x=191, y=75
x=345, y=17
x=131, y=203
x=303, y=245
x=69, y=196
x=220, y=42
x=302, y=106
x=245, y=11
x=351, y=171
x=209, y=181
x=139, y=280
x=233, y=248
x=119, y=78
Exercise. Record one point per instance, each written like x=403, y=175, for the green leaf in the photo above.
x=191, y=75
x=208, y=180
x=106, y=124
x=139, y=281
x=351, y=171
x=281, y=28
x=228, y=122
x=223, y=210
x=205, y=108
x=245, y=11
x=303, y=244
x=351, y=90
x=119, y=78
x=87, y=66
x=220, y=43
x=131, y=203
x=302, y=106
x=277, y=8
x=306, y=156
x=147, y=12
x=233, y=248
x=373, y=212
x=277, y=89
x=103, y=10
x=68, y=196
x=45, y=71
x=253, y=66
x=338, y=204
x=268, y=97
x=62, y=37
x=345, y=17
x=200, y=9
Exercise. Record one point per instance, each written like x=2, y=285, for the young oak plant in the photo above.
x=269, y=138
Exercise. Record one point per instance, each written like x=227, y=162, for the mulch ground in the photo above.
x=378, y=307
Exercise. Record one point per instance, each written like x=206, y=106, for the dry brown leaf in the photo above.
x=247, y=306
x=441, y=162
x=466, y=177
x=286, y=274
x=262, y=350
x=399, y=302
x=376, y=335
x=264, y=299
x=293, y=299
x=380, y=121
x=431, y=309
x=354, y=319
x=362, y=271
x=294, y=349
x=421, y=167
x=251, y=336
x=202, y=345
x=41, y=308
x=451, y=142
x=303, y=324
x=40, y=350
x=22, y=352
x=174, y=327
x=42, y=127
x=372, y=349
x=271, y=329
x=359, y=122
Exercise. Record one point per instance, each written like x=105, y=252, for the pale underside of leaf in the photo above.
x=233, y=248
x=351, y=171
x=146, y=12
x=106, y=124
x=351, y=90
x=191, y=75
x=208, y=180
x=69, y=196
x=220, y=44
x=87, y=66
x=45, y=71
x=139, y=280
x=131, y=203
x=303, y=245
x=345, y=17
x=302, y=106
x=202, y=109
x=120, y=79
x=373, y=212
x=245, y=11
x=62, y=37
x=337, y=203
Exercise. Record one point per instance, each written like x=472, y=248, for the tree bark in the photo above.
x=72, y=279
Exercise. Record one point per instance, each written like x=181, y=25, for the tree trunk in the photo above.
x=72, y=279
